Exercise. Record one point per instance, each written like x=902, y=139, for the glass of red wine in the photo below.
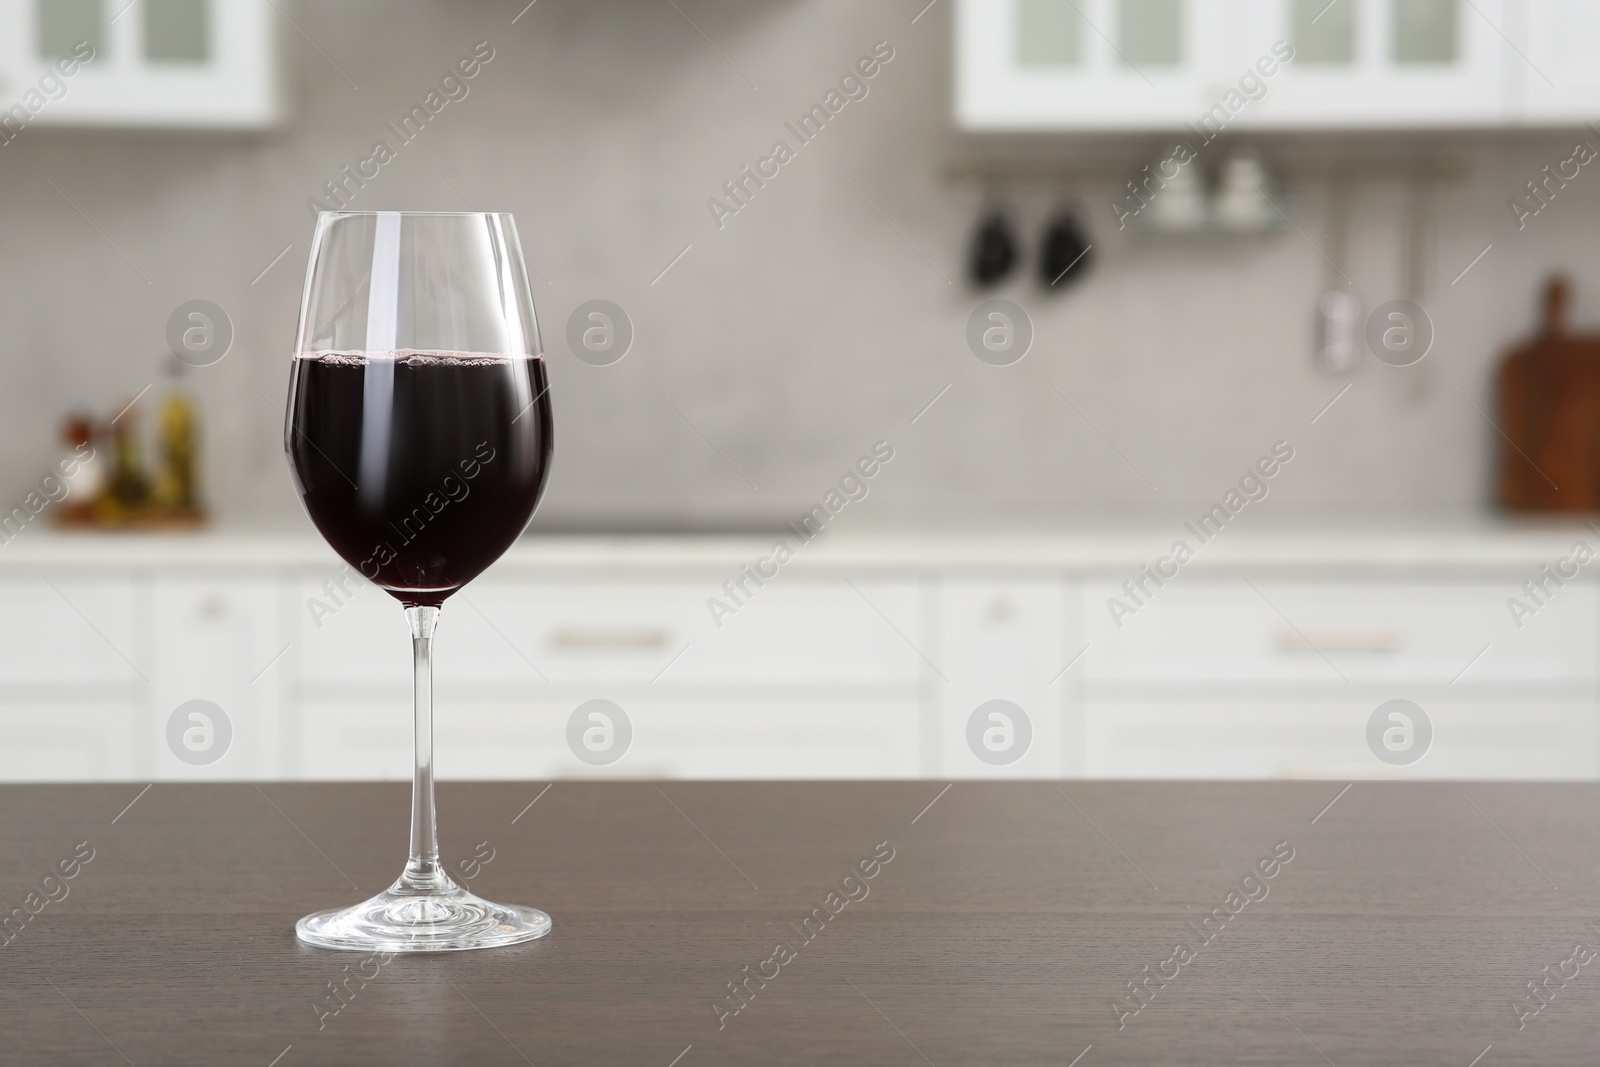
x=419, y=438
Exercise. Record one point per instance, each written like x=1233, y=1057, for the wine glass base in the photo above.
x=407, y=918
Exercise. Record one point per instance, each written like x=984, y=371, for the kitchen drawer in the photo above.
x=630, y=633
x=84, y=742
x=1319, y=739
x=841, y=739
x=356, y=634
x=1281, y=631
x=75, y=632
x=215, y=640
x=1000, y=640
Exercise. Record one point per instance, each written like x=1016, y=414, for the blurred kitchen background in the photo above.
x=774, y=346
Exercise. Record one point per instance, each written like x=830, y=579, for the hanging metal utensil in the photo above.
x=1414, y=274
x=1338, y=333
x=1064, y=251
x=994, y=247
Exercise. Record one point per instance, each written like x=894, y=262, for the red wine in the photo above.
x=420, y=468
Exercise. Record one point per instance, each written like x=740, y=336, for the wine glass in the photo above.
x=419, y=438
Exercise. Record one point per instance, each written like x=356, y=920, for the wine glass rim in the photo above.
x=443, y=214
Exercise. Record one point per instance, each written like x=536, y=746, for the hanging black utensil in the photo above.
x=1064, y=251
x=994, y=249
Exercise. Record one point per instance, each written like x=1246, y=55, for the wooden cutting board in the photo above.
x=1549, y=403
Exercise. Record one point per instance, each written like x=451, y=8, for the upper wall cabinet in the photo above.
x=152, y=63
x=1110, y=65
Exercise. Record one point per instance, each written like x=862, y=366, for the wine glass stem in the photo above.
x=423, y=869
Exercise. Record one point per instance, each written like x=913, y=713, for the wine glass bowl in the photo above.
x=419, y=437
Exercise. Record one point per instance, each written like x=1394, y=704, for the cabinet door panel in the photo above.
x=1001, y=640
x=632, y=633
x=70, y=742
x=170, y=63
x=1399, y=77
x=1360, y=64
x=216, y=641
x=69, y=632
x=507, y=740
x=1339, y=633
x=1004, y=82
x=1322, y=739
x=1558, y=83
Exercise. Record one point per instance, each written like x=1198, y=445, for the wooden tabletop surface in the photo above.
x=1000, y=925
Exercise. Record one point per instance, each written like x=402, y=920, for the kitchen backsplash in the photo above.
x=772, y=344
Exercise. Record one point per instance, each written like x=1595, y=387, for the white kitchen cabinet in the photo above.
x=794, y=633
x=1196, y=67
x=152, y=63
x=509, y=739
x=1408, y=64
x=55, y=740
x=868, y=663
x=1277, y=677
x=628, y=633
x=1201, y=738
x=1332, y=635
x=1558, y=83
x=807, y=679
x=74, y=669
x=1002, y=640
x=72, y=635
x=1062, y=64
x=217, y=641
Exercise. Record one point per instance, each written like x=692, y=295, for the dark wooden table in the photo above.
x=1404, y=930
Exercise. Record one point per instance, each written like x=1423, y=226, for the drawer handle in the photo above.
x=1376, y=638
x=610, y=639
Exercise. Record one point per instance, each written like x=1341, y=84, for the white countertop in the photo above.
x=1099, y=546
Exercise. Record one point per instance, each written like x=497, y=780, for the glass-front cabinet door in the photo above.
x=1275, y=64
x=1388, y=63
x=1080, y=64
x=160, y=63
x=1559, y=83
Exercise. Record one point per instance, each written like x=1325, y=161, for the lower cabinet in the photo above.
x=74, y=668
x=216, y=681
x=631, y=738
x=1325, y=739
x=47, y=740
x=1000, y=683
x=1284, y=677
x=877, y=673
